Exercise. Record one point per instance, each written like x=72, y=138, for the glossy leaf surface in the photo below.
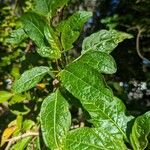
x=140, y=132
x=104, y=41
x=86, y=84
x=30, y=78
x=17, y=36
x=48, y=7
x=102, y=62
x=33, y=25
x=70, y=29
x=55, y=120
x=92, y=139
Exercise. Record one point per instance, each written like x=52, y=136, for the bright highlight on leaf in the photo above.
x=141, y=132
x=70, y=29
x=92, y=139
x=48, y=7
x=30, y=78
x=55, y=120
x=104, y=40
x=4, y=96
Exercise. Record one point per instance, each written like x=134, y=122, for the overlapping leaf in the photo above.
x=92, y=139
x=102, y=62
x=82, y=79
x=89, y=87
x=36, y=28
x=140, y=132
x=104, y=41
x=33, y=25
x=30, y=78
x=48, y=7
x=55, y=120
x=70, y=29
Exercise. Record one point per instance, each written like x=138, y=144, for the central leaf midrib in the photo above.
x=100, y=109
x=55, y=111
x=37, y=75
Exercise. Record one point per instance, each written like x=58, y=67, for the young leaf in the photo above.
x=140, y=132
x=30, y=78
x=70, y=29
x=17, y=36
x=48, y=7
x=104, y=41
x=4, y=96
x=105, y=110
x=55, y=120
x=93, y=139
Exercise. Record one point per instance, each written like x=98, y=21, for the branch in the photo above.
x=17, y=138
x=138, y=45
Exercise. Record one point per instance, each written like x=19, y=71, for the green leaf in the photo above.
x=30, y=78
x=70, y=29
x=4, y=96
x=140, y=132
x=17, y=98
x=53, y=51
x=55, y=120
x=92, y=139
x=48, y=7
x=17, y=36
x=89, y=87
x=37, y=29
x=102, y=62
x=104, y=41
x=22, y=144
x=33, y=25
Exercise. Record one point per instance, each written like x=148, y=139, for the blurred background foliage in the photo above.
x=131, y=82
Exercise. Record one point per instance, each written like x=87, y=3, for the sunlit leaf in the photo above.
x=48, y=7
x=141, y=132
x=55, y=120
x=30, y=78
x=4, y=96
x=93, y=139
x=104, y=41
x=70, y=29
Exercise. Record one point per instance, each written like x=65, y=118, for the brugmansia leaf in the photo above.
x=92, y=139
x=86, y=85
x=48, y=7
x=33, y=25
x=70, y=29
x=102, y=62
x=104, y=41
x=140, y=132
x=17, y=36
x=4, y=96
x=55, y=120
x=30, y=78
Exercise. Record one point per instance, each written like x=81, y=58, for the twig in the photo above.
x=17, y=138
x=138, y=45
